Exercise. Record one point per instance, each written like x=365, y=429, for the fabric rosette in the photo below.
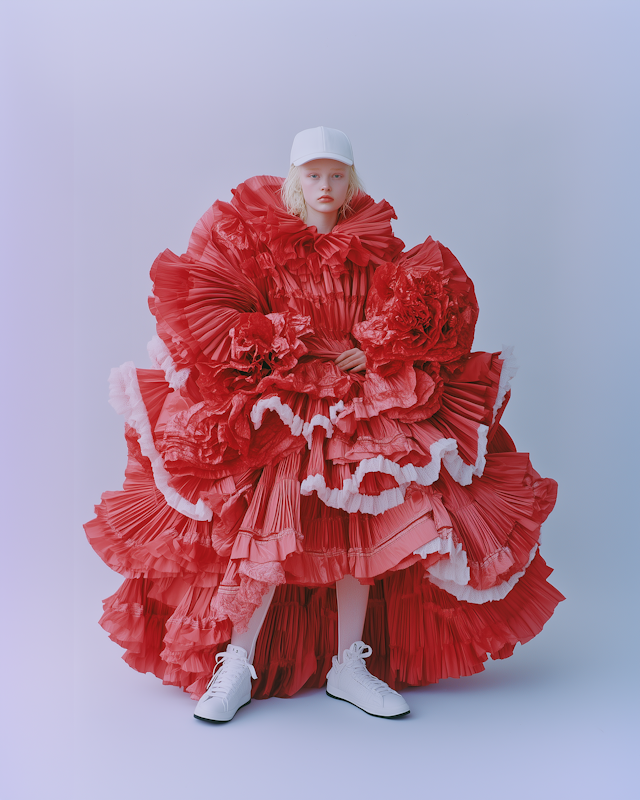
x=261, y=344
x=418, y=311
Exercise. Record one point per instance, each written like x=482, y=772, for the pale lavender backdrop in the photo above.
x=509, y=131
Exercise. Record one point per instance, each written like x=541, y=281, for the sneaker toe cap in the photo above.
x=394, y=705
x=212, y=708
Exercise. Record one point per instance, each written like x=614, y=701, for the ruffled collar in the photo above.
x=365, y=237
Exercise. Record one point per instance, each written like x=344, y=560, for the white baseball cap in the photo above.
x=321, y=143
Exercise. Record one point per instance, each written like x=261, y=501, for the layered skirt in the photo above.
x=437, y=513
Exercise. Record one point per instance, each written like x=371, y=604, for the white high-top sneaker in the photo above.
x=229, y=688
x=352, y=682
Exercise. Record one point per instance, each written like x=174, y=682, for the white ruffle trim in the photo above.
x=455, y=568
x=293, y=421
x=334, y=411
x=453, y=574
x=460, y=471
x=125, y=397
x=509, y=369
x=444, y=451
x=161, y=359
x=349, y=499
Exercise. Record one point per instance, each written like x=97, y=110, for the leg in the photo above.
x=352, y=608
x=230, y=686
x=247, y=640
x=348, y=678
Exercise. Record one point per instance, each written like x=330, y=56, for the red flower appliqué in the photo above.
x=417, y=313
x=260, y=345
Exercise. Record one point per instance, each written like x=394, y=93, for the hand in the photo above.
x=352, y=360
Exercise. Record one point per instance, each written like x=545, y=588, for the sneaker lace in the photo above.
x=228, y=670
x=356, y=655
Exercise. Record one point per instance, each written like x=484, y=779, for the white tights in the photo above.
x=352, y=607
x=248, y=638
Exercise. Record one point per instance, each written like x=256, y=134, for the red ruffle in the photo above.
x=196, y=303
x=136, y=533
x=419, y=633
x=362, y=238
x=497, y=519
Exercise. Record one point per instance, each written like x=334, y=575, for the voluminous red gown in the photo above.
x=255, y=461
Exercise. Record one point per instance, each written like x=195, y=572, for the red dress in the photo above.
x=255, y=461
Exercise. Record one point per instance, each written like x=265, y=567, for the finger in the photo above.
x=353, y=360
x=349, y=363
x=346, y=363
x=356, y=368
x=347, y=353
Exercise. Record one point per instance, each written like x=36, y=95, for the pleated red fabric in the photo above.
x=255, y=462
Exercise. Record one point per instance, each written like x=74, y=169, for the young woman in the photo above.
x=316, y=460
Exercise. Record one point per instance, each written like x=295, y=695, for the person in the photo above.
x=316, y=460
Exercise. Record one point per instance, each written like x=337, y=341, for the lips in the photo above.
x=325, y=199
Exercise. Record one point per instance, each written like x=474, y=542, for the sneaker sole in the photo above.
x=221, y=721
x=370, y=713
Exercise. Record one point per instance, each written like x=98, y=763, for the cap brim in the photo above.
x=331, y=156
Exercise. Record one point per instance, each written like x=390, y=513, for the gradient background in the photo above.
x=509, y=131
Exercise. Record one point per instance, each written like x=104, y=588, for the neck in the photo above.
x=323, y=222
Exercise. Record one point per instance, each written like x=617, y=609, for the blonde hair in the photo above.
x=293, y=198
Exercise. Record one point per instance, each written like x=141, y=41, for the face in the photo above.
x=325, y=183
